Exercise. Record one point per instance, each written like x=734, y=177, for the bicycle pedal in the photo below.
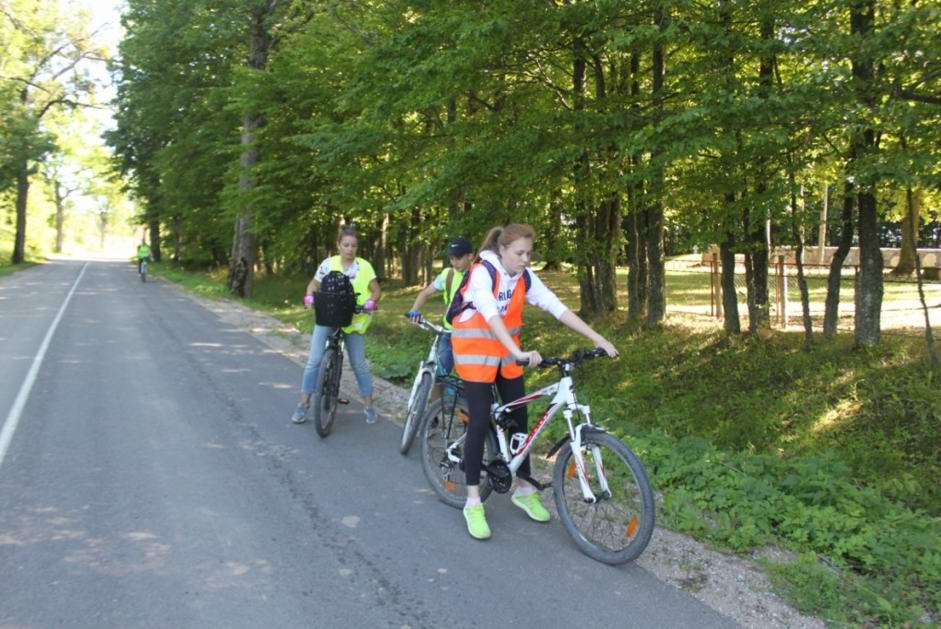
x=342, y=400
x=535, y=483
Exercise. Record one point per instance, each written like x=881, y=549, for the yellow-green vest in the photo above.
x=447, y=294
x=361, y=288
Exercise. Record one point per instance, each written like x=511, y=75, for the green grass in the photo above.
x=834, y=454
x=7, y=267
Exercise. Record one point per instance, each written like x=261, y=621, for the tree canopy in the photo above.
x=621, y=131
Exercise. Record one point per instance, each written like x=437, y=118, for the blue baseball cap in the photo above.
x=459, y=247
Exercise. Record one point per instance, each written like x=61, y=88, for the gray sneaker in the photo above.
x=300, y=413
x=371, y=417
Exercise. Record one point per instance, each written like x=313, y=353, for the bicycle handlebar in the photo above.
x=425, y=324
x=575, y=358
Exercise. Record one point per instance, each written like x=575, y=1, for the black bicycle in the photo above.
x=326, y=395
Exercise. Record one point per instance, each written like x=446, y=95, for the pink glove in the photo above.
x=369, y=306
x=308, y=301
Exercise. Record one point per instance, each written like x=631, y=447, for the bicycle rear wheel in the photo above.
x=617, y=527
x=445, y=422
x=327, y=392
x=415, y=412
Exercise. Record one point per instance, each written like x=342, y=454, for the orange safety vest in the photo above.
x=477, y=352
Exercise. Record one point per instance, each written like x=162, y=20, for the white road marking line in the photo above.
x=13, y=418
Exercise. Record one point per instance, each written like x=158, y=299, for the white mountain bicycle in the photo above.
x=601, y=491
x=424, y=381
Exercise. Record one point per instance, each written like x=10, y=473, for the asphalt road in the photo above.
x=154, y=479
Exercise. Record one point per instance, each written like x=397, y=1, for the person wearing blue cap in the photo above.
x=460, y=255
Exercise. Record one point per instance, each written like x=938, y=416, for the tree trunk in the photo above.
x=636, y=231
x=635, y=226
x=429, y=264
x=799, y=260
x=379, y=259
x=731, y=321
x=756, y=258
x=822, y=228
x=155, y=240
x=831, y=314
x=656, y=279
x=867, y=324
x=457, y=196
x=22, y=194
x=60, y=213
x=177, y=238
x=907, y=265
x=607, y=215
x=552, y=235
x=244, y=245
x=584, y=221
x=102, y=229
x=913, y=200
x=756, y=271
x=607, y=235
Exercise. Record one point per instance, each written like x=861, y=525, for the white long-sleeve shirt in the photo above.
x=480, y=292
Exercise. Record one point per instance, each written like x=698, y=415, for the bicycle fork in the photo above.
x=581, y=468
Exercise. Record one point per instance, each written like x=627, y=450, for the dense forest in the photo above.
x=248, y=130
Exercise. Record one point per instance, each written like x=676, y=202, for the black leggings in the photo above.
x=479, y=396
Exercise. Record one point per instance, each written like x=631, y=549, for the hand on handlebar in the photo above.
x=370, y=305
x=414, y=315
x=308, y=301
x=529, y=359
x=609, y=348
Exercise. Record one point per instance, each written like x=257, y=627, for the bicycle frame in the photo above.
x=563, y=398
x=430, y=364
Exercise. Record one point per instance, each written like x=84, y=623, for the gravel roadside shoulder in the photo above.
x=729, y=584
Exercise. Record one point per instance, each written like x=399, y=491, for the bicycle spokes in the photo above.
x=604, y=499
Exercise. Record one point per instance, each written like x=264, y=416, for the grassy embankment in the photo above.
x=6, y=253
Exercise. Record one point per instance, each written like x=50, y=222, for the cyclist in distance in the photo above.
x=460, y=255
x=364, y=281
x=143, y=253
x=486, y=343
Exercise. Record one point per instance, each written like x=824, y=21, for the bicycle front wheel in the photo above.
x=616, y=527
x=444, y=425
x=415, y=412
x=327, y=392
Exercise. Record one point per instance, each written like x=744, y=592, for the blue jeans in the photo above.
x=445, y=355
x=445, y=361
x=355, y=349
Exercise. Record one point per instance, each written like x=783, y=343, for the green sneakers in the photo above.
x=532, y=505
x=476, y=521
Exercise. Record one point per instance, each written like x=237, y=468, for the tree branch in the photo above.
x=918, y=98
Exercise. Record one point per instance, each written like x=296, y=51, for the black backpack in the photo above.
x=458, y=305
x=335, y=301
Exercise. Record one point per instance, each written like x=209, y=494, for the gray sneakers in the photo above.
x=300, y=413
x=371, y=417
